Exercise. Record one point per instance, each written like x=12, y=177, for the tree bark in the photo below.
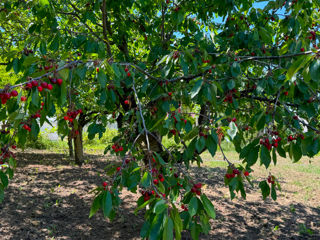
x=70, y=145
x=78, y=147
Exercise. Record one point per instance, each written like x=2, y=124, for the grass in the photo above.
x=43, y=142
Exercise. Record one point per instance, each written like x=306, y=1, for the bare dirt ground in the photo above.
x=49, y=199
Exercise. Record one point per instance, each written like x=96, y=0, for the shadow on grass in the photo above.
x=48, y=198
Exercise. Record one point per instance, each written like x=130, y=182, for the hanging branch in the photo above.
x=149, y=154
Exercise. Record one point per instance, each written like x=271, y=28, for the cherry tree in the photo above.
x=199, y=72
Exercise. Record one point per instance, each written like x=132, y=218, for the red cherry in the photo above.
x=44, y=84
x=234, y=119
x=128, y=74
x=66, y=118
x=59, y=81
x=302, y=49
x=176, y=175
x=193, y=189
x=295, y=117
x=104, y=184
x=126, y=102
x=286, y=93
x=14, y=93
x=170, y=94
x=198, y=192
x=34, y=83
x=155, y=181
x=7, y=96
x=29, y=85
x=53, y=80
x=3, y=100
x=120, y=149
x=40, y=89
x=246, y=173
x=14, y=146
x=126, y=69
x=118, y=169
x=49, y=87
x=97, y=69
x=235, y=171
x=23, y=98
x=198, y=185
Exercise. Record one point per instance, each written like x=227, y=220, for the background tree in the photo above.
x=250, y=74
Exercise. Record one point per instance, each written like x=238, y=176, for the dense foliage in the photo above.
x=200, y=72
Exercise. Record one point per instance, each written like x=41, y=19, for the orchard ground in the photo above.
x=49, y=199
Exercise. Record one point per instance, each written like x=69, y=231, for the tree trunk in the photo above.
x=78, y=147
x=70, y=145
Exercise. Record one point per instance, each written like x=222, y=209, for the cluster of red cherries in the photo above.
x=117, y=148
x=7, y=95
x=196, y=188
x=71, y=115
x=236, y=172
x=6, y=153
x=229, y=95
x=271, y=179
x=160, y=178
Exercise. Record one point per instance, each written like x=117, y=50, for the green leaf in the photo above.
x=196, y=88
x=143, y=205
x=160, y=160
x=208, y=206
x=1, y=194
x=168, y=230
x=315, y=70
x=200, y=144
x=178, y=226
x=35, y=129
x=281, y=152
x=273, y=192
x=265, y=35
x=54, y=45
x=211, y=145
x=4, y=179
x=193, y=206
x=35, y=97
x=43, y=48
x=107, y=204
x=296, y=151
x=64, y=74
x=231, y=84
x=297, y=65
x=16, y=65
x=265, y=156
x=145, y=229
x=235, y=69
x=146, y=180
x=96, y=205
x=160, y=206
x=102, y=79
x=232, y=131
x=274, y=156
x=264, y=186
x=252, y=156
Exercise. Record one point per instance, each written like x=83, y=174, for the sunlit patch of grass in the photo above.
x=214, y=164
